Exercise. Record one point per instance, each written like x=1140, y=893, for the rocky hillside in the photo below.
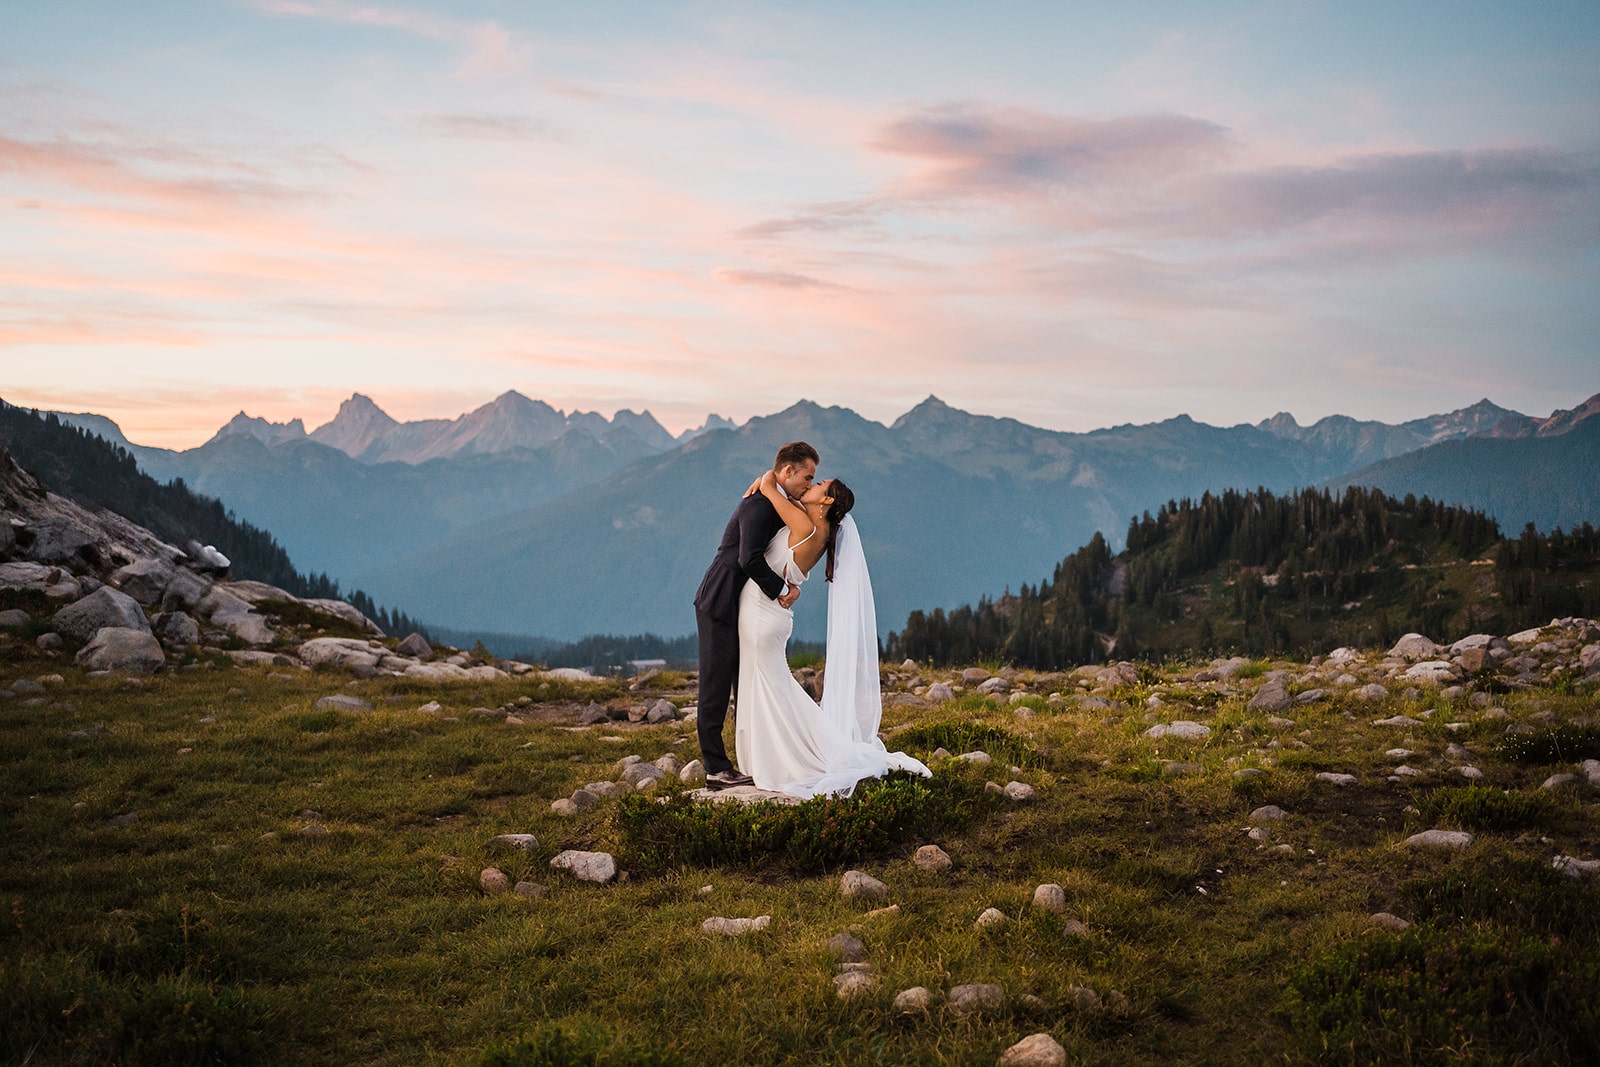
x=91, y=582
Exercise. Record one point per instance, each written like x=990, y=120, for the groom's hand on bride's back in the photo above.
x=790, y=595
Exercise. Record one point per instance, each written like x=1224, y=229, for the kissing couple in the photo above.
x=787, y=523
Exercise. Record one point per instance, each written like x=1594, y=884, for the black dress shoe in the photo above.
x=728, y=780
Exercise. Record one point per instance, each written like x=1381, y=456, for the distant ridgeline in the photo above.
x=85, y=467
x=1257, y=573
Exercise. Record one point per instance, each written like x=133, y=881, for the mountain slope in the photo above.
x=950, y=506
x=1548, y=480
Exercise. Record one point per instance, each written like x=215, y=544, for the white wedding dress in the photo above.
x=784, y=739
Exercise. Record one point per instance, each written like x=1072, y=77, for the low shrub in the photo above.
x=1432, y=996
x=959, y=737
x=1519, y=893
x=818, y=835
x=1567, y=743
x=1481, y=807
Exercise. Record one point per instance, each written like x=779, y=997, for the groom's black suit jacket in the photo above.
x=741, y=556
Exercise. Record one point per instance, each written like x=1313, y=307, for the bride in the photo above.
x=783, y=738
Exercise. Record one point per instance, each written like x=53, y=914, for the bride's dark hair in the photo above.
x=843, y=501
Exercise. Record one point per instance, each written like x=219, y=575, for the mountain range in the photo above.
x=519, y=518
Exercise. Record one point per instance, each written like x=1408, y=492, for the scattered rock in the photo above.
x=119, y=648
x=735, y=927
x=1452, y=839
x=1050, y=897
x=1414, y=647
x=516, y=842
x=1340, y=780
x=597, y=867
x=1571, y=865
x=1035, y=1050
x=991, y=918
x=1074, y=928
x=494, y=881
x=693, y=771
x=846, y=947
x=531, y=890
x=342, y=702
x=975, y=998
x=939, y=691
x=1272, y=697
x=978, y=756
x=564, y=807
x=1183, y=729
x=1397, y=720
x=931, y=858
x=913, y=1001
x=103, y=607
x=1267, y=813
x=1373, y=691
x=1389, y=922
x=416, y=647
x=1082, y=998
x=854, y=984
x=1469, y=772
x=974, y=675
x=858, y=885
x=1020, y=792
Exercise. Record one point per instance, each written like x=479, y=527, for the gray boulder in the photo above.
x=349, y=653
x=416, y=646
x=940, y=691
x=1035, y=1050
x=1414, y=647
x=103, y=607
x=1272, y=697
x=176, y=628
x=975, y=998
x=185, y=590
x=56, y=540
x=14, y=616
x=598, y=867
x=145, y=580
x=119, y=648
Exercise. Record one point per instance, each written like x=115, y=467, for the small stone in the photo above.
x=583, y=800
x=1452, y=839
x=1117, y=1003
x=939, y=691
x=992, y=918
x=1267, y=813
x=994, y=686
x=1469, y=772
x=564, y=807
x=1035, y=1050
x=494, y=881
x=1340, y=780
x=1404, y=771
x=1182, y=729
x=1278, y=723
x=587, y=866
x=531, y=890
x=735, y=927
x=1074, y=928
x=47, y=642
x=1397, y=720
x=846, y=947
x=1020, y=792
x=1576, y=868
x=858, y=885
x=979, y=757
x=1389, y=922
x=854, y=984
x=913, y=1001
x=693, y=771
x=974, y=675
x=1272, y=697
x=879, y=913
x=1311, y=696
x=518, y=842
x=1399, y=753
x=1050, y=897
x=1082, y=998
x=342, y=702
x=975, y=998
x=593, y=715
x=1373, y=691
x=931, y=858
x=1590, y=769
x=1559, y=781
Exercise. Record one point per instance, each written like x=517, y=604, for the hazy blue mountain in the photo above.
x=1348, y=443
x=1550, y=479
x=951, y=506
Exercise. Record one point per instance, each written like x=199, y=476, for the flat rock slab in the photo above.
x=342, y=702
x=1397, y=720
x=735, y=927
x=597, y=867
x=1451, y=839
x=1183, y=729
x=1343, y=781
x=975, y=998
x=1575, y=867
x=121, y=648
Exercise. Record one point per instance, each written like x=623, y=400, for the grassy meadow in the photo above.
x=201, y=867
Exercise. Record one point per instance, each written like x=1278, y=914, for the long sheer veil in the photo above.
x=851, y=699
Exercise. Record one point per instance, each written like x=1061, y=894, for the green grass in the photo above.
x=212, y=928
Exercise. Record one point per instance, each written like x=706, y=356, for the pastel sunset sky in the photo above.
x=1047, y=211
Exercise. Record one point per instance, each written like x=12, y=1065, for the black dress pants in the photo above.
x=719, y=674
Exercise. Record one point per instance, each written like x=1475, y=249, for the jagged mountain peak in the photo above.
x=269, y=433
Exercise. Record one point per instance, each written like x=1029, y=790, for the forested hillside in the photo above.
x=85, y=467
x=1258, y=572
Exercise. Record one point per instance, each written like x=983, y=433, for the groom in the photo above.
x=740, y=558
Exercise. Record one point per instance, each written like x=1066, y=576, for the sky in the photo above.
x=1052, y=211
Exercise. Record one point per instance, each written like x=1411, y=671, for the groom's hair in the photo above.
x=793, y=454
